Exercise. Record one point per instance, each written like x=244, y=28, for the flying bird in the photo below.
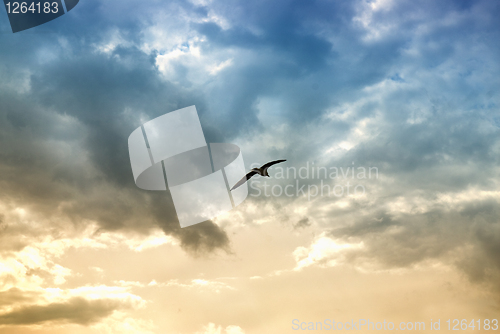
x=261, y=171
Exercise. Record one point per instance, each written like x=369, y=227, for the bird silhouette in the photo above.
x=260, y=170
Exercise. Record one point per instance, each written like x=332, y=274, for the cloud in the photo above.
x=197, y=283
x=464, y=237
x=211, y=328
x=304, y=222
x=201, y=284
x=76, y=310
x=73, y=183
x=69, y=150
x=324, y=252
x=83, y=306
x=15, y=295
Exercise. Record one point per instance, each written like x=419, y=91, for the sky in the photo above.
x=386, y=209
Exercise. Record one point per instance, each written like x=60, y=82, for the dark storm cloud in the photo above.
x=97, y=91
x=81, y=164
x=76, y=310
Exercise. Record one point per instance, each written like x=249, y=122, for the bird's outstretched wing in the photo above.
x=269, y=164
x=244, y=179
